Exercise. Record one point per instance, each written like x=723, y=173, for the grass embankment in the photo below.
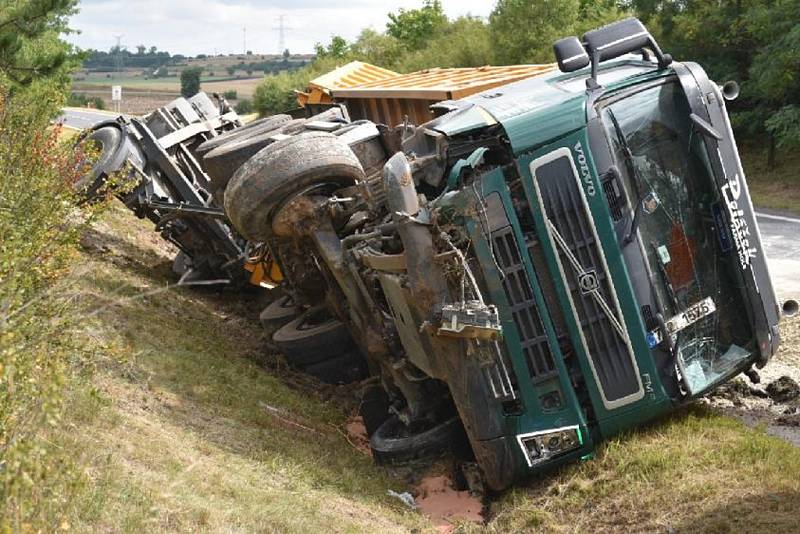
x=178, y=431
x=695, y=471
x=176, y=437
x=777, y=188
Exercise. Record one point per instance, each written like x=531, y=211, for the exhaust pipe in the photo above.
x=790, y=308
x=730, y=90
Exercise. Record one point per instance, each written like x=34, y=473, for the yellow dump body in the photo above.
x=389, y=100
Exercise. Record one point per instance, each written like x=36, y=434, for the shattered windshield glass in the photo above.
x=676, y=218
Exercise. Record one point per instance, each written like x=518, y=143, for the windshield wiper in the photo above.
x=626, y=151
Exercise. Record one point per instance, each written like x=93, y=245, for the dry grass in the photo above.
x=175, y=438
x=695, y=471
x=173, y=432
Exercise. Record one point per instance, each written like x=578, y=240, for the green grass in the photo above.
x=693, y=472
x=173, y=433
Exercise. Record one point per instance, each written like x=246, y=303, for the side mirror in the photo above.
x=570, y=54
x=730, y=90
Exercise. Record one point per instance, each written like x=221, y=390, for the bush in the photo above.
x=190, y=81
x=244, y=106
x=39, y=225
x=79, y=100
x=276, y=93
x=230, y=95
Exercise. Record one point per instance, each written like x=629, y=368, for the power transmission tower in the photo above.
x=281, y=33
x=244, y=40
x=118, y=56
x=118, y=67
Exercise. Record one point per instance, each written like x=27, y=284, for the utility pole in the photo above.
x=116, y=90
x=118, y=56
x=281, y=34
x=244, y=40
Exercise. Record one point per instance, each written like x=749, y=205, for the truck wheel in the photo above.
x=223, y=161
x=277, y=313
x=108, y=140
x=280, y=171
x=393, y=443
x=345, y=369
x=254, y=128
x=313, y=337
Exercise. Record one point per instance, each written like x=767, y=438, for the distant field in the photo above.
x=245, y=87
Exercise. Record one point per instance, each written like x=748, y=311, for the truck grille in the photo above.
x=584, y=270
x=523, y=306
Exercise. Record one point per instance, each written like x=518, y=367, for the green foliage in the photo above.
x=230, y=95
x=190, y=81
x=414, y=27
x=80, y=100
x=39, y=226
x=29, y=42
x=244, y=106
x=464, y=42
x=276, y=93
x=337, y=48
x=523, y=31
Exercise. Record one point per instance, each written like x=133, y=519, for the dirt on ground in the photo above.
x=775, y=400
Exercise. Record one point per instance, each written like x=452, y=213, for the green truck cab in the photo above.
x=621, y=250
x=548, y=262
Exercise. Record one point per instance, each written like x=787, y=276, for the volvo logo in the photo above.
x=586, y=174
x=588, y=282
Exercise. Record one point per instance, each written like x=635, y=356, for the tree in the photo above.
x=337, y=48
x=231, y=70
x=286, y=54
x=190, y=81
x=413, y=27
x=141, y=50
x=30, y=46
x=153, y=50
x=523, y=31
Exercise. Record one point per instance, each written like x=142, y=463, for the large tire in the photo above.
x=313, y=337
x=391, y=443
x=109, y=140
x=345, y=369
x=282, y=169
x=222, y=162
x=248, y=130
x=279, y=312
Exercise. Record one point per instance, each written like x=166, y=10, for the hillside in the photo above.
x=183, y=427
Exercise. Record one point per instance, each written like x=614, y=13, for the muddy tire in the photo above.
x=345, y=369
x=254, y=128
x=109, y=140
x=278, y=312
x=313, y=337
x=391, y=443
x=282, y=170
x=223, y=161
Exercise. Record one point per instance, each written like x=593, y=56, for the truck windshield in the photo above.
x=667, y=179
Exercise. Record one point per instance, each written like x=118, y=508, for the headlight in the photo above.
x=540, y=446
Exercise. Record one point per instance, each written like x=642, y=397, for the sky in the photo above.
x=192, y=27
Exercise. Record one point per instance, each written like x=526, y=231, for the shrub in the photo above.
x=39, y=225
x=244, y=106
x=80, y=100
x=230, y=95
x=190, y=81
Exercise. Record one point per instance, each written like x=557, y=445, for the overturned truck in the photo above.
x=542, y=265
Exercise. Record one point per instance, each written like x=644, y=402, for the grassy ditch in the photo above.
x=695, y=471
x=180, y=430
x=174, y=433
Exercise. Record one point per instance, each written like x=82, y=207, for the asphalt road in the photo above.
x=780, y=234
x=84, y=118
